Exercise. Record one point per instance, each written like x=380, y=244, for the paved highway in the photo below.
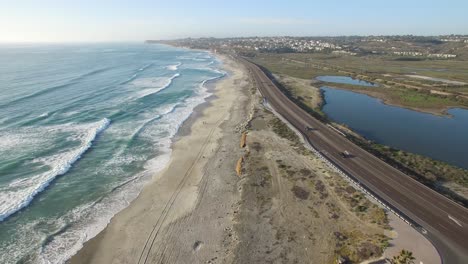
x=446, y=222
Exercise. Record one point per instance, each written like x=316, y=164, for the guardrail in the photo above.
x=352, y=179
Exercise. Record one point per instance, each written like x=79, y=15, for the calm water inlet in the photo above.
x=439, y=137
x=345, y=80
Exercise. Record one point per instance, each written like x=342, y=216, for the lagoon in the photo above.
x=442, y=138
x=345, y=80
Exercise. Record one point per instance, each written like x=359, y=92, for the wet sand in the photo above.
x=196, y=189
x=198, y=210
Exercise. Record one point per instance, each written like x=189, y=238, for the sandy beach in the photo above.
x=189, y=206
x=270, y=200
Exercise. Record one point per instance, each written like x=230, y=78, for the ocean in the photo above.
x=82, y=128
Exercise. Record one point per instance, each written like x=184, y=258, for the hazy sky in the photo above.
x=118, y=20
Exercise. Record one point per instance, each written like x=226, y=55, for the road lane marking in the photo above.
x=455, y=220
x=443, y=226
x=293, y=118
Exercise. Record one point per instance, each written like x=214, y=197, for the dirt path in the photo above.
x=287, y=206
x=290, y=211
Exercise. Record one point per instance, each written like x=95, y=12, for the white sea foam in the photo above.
x=171, y=122
x=15, y=142
x=9, y=141
x=145, y=67
x=130, y=79
x=155, y=116
x=78, y=225
x=174, y=67
x=29, y=235
x=135, y=75
x=194, y=57
x=46, y=114
x=223, y=73
x=86, y=221
x=154, y=85
x=91, y=219
x=21, y=192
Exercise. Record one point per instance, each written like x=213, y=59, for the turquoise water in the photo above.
x=345, y=80
x=439, y=137
x=82, y=127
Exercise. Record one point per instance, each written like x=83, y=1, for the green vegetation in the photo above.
x=282, y=65
x=352, y=245
x=356, y=247
x=395, y=87
x=425, y=100
x=283, y=130
x=434, y=174
x=303, y=91
x=361, y=206
x=369, y=65
x=409, y=59
x=409, y=98
x=432, y=170
x=405, y=257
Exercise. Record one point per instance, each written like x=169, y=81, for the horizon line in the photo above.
x=212, y=37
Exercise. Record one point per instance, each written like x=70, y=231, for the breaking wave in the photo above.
x=153, y=85
x=174, y=67
x=19, y=193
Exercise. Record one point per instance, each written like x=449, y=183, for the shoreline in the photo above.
x=208, y=87
x=98, y=249
x=197, y=210
x=184, y=129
